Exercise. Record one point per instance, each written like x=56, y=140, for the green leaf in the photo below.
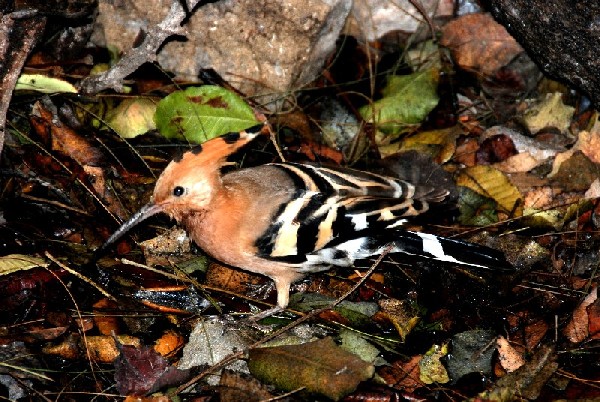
x=133, y=117
x=475, y=209
x=201, y=113
x=43, y=84
x=355, y=343
x=407, y=100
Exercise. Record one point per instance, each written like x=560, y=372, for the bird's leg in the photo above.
x=282, y=284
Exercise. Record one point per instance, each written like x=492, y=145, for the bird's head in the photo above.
x=188, y=183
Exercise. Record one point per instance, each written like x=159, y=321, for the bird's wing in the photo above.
x=330, y=204
x=338, y=215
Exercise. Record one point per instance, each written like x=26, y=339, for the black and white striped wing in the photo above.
x=334, y=204
x=340, y=215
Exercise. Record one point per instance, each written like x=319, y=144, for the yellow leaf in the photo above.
x=439, y=144
x=43, y=84
x=552, y=112
x=431, y=368
x=492, y=183
x=133, y=117
x=19, y=262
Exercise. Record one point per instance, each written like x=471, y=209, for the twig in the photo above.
x=145, y=52
x=82, y=277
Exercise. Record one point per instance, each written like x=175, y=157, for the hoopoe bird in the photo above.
x=285, y=220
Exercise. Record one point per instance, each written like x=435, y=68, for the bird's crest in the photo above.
x=213, y=153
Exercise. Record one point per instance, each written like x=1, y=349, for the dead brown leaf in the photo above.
x=404, y=375
x=140, y=370
x=320, y=367
x=578, y=328
x=238, y=387
x=535, y=332
x=478, y=43
x=401, y=314
x=509, y=357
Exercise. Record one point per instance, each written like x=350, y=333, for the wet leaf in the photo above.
x=472, y=352
x=403, y=315
x=321, y=367
x=403, y=374
x=407, y=99
x=201, y=113
x=133, y=117
x=19, y=262
x=492, y=183
x=43, y=84
x=211, y=341
x=141, y=370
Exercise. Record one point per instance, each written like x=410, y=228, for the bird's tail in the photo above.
x=451, y=251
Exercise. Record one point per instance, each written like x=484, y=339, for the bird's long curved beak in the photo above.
x=144, y=213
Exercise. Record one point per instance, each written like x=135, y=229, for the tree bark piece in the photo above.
x=18, y=35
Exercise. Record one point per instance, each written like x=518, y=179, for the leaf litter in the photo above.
x=527, y=175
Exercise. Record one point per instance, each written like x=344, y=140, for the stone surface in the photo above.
x=372, y=19
x=260, y=48
x=561, y=36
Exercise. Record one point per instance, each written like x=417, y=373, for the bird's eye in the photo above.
x=178, y=191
